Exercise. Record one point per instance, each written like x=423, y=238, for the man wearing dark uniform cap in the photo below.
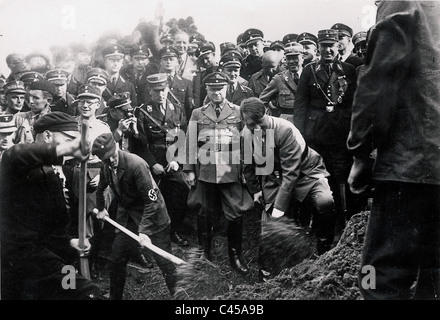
x=65, y=60
x=99, y=78
x=160, y=125
x=141, y=209
x=360, y=44
x=64, y=101
x=113, y=61
x=214, y=171
x=15, y=96
x=253, y=38
x=310, y=43
x=36, y=249
x=207, y=61
x=282, y=88
x=181, y=89
x=230, y=64
x=322, y=114
x=345, y=34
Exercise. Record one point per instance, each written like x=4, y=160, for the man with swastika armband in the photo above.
x=141, y=209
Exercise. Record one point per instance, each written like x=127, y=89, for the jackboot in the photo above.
x=204, y=235
x=235, y=231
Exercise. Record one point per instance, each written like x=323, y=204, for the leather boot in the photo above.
x=204, y=235
x=235, y=230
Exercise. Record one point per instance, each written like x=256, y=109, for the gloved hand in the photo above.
x=144, y=240
x=277, y=213
x=172, y=166
x=83, y=252
x=101, y=214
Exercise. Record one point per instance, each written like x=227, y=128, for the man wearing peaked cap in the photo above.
x=99, y=78
x=217, y=125
x=360, y=44
x=289, y=38
x=162, y=123
x=64, y=101
x=253, y=38
x=310, y=44
x=322, y=114
x=113, y=62
x=27, y=203
x=7, y=128
x=15, y=96
x=207, y=60
x=166, y=40
x=279, y=94
x=345, y=33
x=141, y=209
x=138, y=70
x=180, y=89
x=277, y=46
x=31, y=76
x=230, y=64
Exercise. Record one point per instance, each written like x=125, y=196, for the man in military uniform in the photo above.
x=345, y=45
x=259, y=80
x=283, y=86
x=230, y=64
x=99, y=78
x=207, y=60
x=113, y=61
x=322, y=115
x=15, y=96
x=253, y=38
x=181, y=89
x=141, y=209
x=160, y=124
x=310, y=44
x=214, y=171
x=138, y=71
x=7, y=128
x=64, y=101
x=360, y=44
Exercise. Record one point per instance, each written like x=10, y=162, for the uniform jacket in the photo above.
x=65, y=105
x=311, y=118
x=251, y=64
x=296, y=166
x=354, y=60
x=33, y=208
x=205, y=134
x=199, y=90
x=121, y=86
x=154, y=140
x=141, y=84
x=24, y=121
x=187, y=68
x=278, y=89
x=240, y=93
x=396, y=106
x=257, y=82
x=137, y=194
x=182, y=89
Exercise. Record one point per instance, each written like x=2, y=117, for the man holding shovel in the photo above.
x=141, y=209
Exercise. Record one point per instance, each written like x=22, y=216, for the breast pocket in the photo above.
x=285, y=99
x=179, y=94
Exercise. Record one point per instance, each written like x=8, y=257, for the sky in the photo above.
x=30, y=25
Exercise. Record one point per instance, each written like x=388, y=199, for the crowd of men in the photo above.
x=143, y=103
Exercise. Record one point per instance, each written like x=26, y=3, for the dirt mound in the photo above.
x=332, y=276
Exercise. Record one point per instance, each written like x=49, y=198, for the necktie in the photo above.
x=163, y=109
x=114, y=81
x=218, y=110
x=296, y=78
x=170, y=81
x=231, y=90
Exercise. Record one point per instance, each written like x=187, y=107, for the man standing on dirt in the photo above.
x=289, y=175
x=396, y=111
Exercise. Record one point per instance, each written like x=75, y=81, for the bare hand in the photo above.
x=124, y=124
x=158, y=169
x=101, y=214
x=94, y=182
x=172, y=166
x=71, y=148
x=83, y=252
x=258, y=197
x=191, y=178
x=144, y=240
x=359, y=177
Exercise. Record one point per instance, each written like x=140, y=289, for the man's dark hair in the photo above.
x=254, y=108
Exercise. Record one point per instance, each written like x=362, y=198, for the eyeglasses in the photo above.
x=87, y=102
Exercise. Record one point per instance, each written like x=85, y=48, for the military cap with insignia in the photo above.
x=192, y=47
x=328, y=36
x=15, y=86
x=277, y=44
x=288, y=38
x=216, y=79
x=226, y=46
x=167, y=39
x=56, y=121
x=88, y=90
x=158, y=81
x=252, y=35
x=7, y=123
x=343, y=29
x=120, y=101
x=57, y=76
x=359, y=37
x=294, y=49
x=98, y=76
x=207, y=47
x=43, y=85
x=31, y=76
x=240, y=39
x=231, y=58
x=168, y=51
x=104, y=146
x=307, y=38
x=113, y=50
x=140, y=51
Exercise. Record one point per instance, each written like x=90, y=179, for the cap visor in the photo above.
x=8, y=129
x=16, y=91
x=328, y=41
x=91, y=95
